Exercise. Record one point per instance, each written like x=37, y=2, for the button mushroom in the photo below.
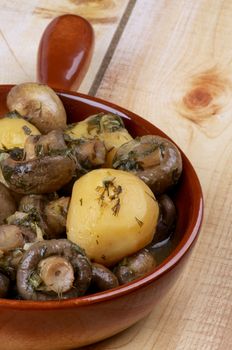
x=135, y=266
x=31, y=210
x=55, y=216
x=44, y=145
x=9, y=262
x=89, y=153
x=48, y=166
x=29, y=223
x=53, y=269
x=38, y=104
x=11, y=237
x=50, y=215
x=103, y=278
x=32, y=201
x=166, y=220
x=7, y=203
x=156, y=160
x=12, y=242
x=39, y=175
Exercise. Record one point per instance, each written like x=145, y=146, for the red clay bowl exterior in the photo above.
x=73, y=323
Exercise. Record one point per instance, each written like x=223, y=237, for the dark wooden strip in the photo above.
x=112, y=47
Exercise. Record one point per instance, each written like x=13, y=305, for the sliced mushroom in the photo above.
x=38, y=104
x=134, y=266
x=156, y=160
x=7, y=203
x=40, y=175
x=47, y=268
x=103, y=278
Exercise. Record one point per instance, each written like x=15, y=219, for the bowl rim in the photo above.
x=169, y=263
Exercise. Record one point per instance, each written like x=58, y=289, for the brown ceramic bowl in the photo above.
x=73, y=323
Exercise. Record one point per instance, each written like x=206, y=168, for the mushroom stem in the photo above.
x=57, y=274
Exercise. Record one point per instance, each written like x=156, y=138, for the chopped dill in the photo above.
x=13, y=114
x=116, y=208
x=110, y=191
x=26, y=130
x=151, y=196
x=140, y=223
x=39, y=150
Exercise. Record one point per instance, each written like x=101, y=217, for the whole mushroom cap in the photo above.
x=38, y=104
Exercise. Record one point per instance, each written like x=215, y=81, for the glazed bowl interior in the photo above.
x=187, y=197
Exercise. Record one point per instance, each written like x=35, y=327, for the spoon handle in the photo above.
x=65, y=52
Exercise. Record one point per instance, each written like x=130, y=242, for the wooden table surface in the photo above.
x=169, y=61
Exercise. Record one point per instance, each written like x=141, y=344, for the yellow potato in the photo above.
x=112, y=214
x=78, y=130
x=14, y=131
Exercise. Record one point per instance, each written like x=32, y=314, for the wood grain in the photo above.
x=173, y=66
x=176, y=72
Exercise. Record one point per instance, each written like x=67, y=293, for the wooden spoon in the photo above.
x=65, y=51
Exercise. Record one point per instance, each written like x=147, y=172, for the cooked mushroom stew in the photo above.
x=85, y=207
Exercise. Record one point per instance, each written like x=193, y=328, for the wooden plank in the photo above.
x=173, y=67
x=22, y=25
